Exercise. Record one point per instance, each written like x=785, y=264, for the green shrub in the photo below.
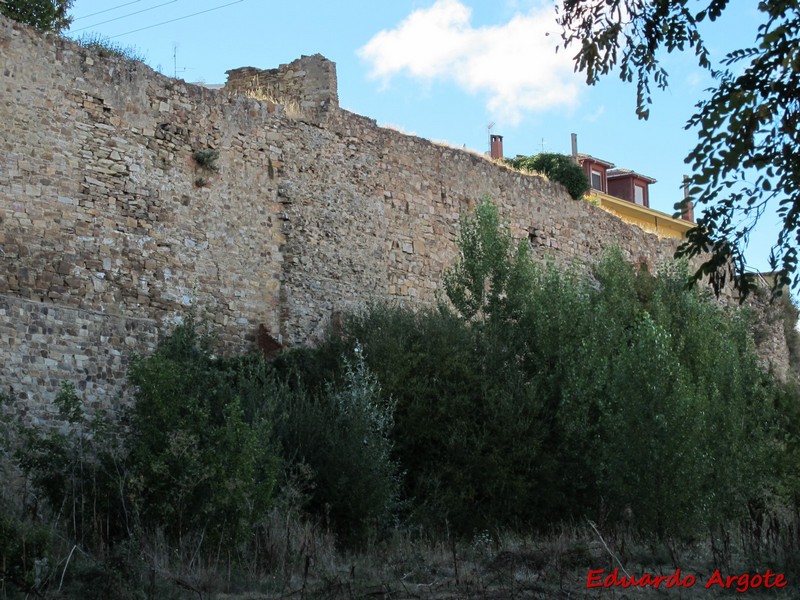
x=72, y=477
x=120, y=573
x=664, y=394
x=76, y=469
x=488, y=277
x=206, y=159
x=557, y=167
x=201, y=457
x=26, y=557
x=341, y=434
x=622, y=396
x=425, y=362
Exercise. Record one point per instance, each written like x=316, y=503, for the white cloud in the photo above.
x=596, y=115
x=515, y=64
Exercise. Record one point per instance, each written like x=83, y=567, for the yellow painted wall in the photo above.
x=645, y=218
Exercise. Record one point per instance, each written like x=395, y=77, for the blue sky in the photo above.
x=443, y=70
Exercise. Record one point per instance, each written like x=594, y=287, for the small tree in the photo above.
x=46, y=15
x=341, y=434
x=558, y=167
x=489, y=278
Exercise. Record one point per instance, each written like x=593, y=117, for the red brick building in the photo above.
x=630, y=185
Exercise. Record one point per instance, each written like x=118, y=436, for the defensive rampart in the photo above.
x=112, y=225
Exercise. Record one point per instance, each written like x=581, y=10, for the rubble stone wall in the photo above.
x=111, y=230
x=306, y=87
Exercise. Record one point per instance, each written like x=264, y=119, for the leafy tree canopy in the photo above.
x=747, y=156
x=47, y=15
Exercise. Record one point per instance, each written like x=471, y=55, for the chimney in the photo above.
x=496, y=147
x=574, y=137
x=687, y=208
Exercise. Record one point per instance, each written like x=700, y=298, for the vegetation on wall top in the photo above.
x=557, y=167
x=107, y=47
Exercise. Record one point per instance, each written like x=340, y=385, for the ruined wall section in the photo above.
x=306, y=88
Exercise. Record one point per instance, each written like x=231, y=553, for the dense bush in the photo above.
x=341, y=433
x=207, y=435
x=548, y=396
x=198, y=463
x=186, y=466
x=26, y=561
x=672, y=404
x=68, y=473
x=557, y=167
x=195, y=464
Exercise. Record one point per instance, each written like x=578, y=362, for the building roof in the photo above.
x=617, y=173
x=605, y=163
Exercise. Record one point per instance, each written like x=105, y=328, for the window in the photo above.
x=639, y=194
x=597, y=180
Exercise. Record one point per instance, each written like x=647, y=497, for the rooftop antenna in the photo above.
x=489, y=135
x=175, y=61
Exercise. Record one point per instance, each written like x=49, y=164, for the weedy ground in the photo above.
x=303, y=562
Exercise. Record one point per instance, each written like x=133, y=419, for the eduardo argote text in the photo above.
x=600, y=578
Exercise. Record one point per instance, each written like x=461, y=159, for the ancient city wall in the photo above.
x=101, y=211
x=371, y=211
x=110, y=229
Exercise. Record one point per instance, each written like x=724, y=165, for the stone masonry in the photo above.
x=110, y=229
x=306, y=87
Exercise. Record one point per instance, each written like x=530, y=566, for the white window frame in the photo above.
x=599, y=174
x=638, y=194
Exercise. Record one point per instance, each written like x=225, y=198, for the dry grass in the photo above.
x=302, y=561
x=291, y=558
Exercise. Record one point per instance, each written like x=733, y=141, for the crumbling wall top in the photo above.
x=306, y=87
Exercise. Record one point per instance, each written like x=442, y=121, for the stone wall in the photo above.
x=108, y=224
x=100, y=210
x=306, y=87
x=372, y=212
x=45, y=344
